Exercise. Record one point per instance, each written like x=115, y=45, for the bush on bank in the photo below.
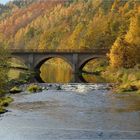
x=34, y=88
x=15, y=90
x=4, y=102
x=127, y=80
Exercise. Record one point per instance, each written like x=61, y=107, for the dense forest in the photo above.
x=77, y=24
x=69, y=25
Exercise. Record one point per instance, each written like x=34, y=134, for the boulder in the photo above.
x=15, y=90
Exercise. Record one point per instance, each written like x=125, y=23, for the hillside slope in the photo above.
x=63, y=25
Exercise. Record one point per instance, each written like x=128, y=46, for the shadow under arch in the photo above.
x=41, y=61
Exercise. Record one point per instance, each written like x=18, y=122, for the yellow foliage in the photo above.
x=133, y=35
x=122, y=54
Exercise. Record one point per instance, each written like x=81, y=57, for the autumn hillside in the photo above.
x=79, y=24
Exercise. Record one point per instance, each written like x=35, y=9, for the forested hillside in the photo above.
x=60, y=24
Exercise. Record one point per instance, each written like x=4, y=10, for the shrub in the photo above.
x=34, y=88
x=4, y=102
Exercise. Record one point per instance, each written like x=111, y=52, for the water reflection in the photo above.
x=121, y=103
x=95, y=66
x=56, y=70
x=91, y=78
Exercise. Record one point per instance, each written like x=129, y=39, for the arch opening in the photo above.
x=91, y=70
x=54, y=70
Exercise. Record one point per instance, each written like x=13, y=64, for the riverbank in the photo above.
x=126, y=80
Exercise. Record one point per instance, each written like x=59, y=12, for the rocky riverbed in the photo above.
x=72, y=111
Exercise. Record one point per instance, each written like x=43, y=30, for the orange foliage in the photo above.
x=22, y=17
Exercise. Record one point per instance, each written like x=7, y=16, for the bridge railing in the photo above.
x=102, y=50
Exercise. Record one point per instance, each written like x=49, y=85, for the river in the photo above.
x=78, y=111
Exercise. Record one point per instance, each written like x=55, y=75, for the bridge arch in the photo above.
x=87, y=59
x=43, y=59
x=84, y=62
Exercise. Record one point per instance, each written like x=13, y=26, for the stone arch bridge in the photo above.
x=77, y=59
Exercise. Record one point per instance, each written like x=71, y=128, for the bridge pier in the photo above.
x=30, y=62
x=76, y=78
x=75, y=69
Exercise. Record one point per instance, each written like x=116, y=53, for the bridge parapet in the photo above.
x=102, y=50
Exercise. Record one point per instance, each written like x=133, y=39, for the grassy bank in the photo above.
x=127, y=80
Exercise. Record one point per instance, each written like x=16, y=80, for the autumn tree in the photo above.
x=133, y=35
x=122, y=54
